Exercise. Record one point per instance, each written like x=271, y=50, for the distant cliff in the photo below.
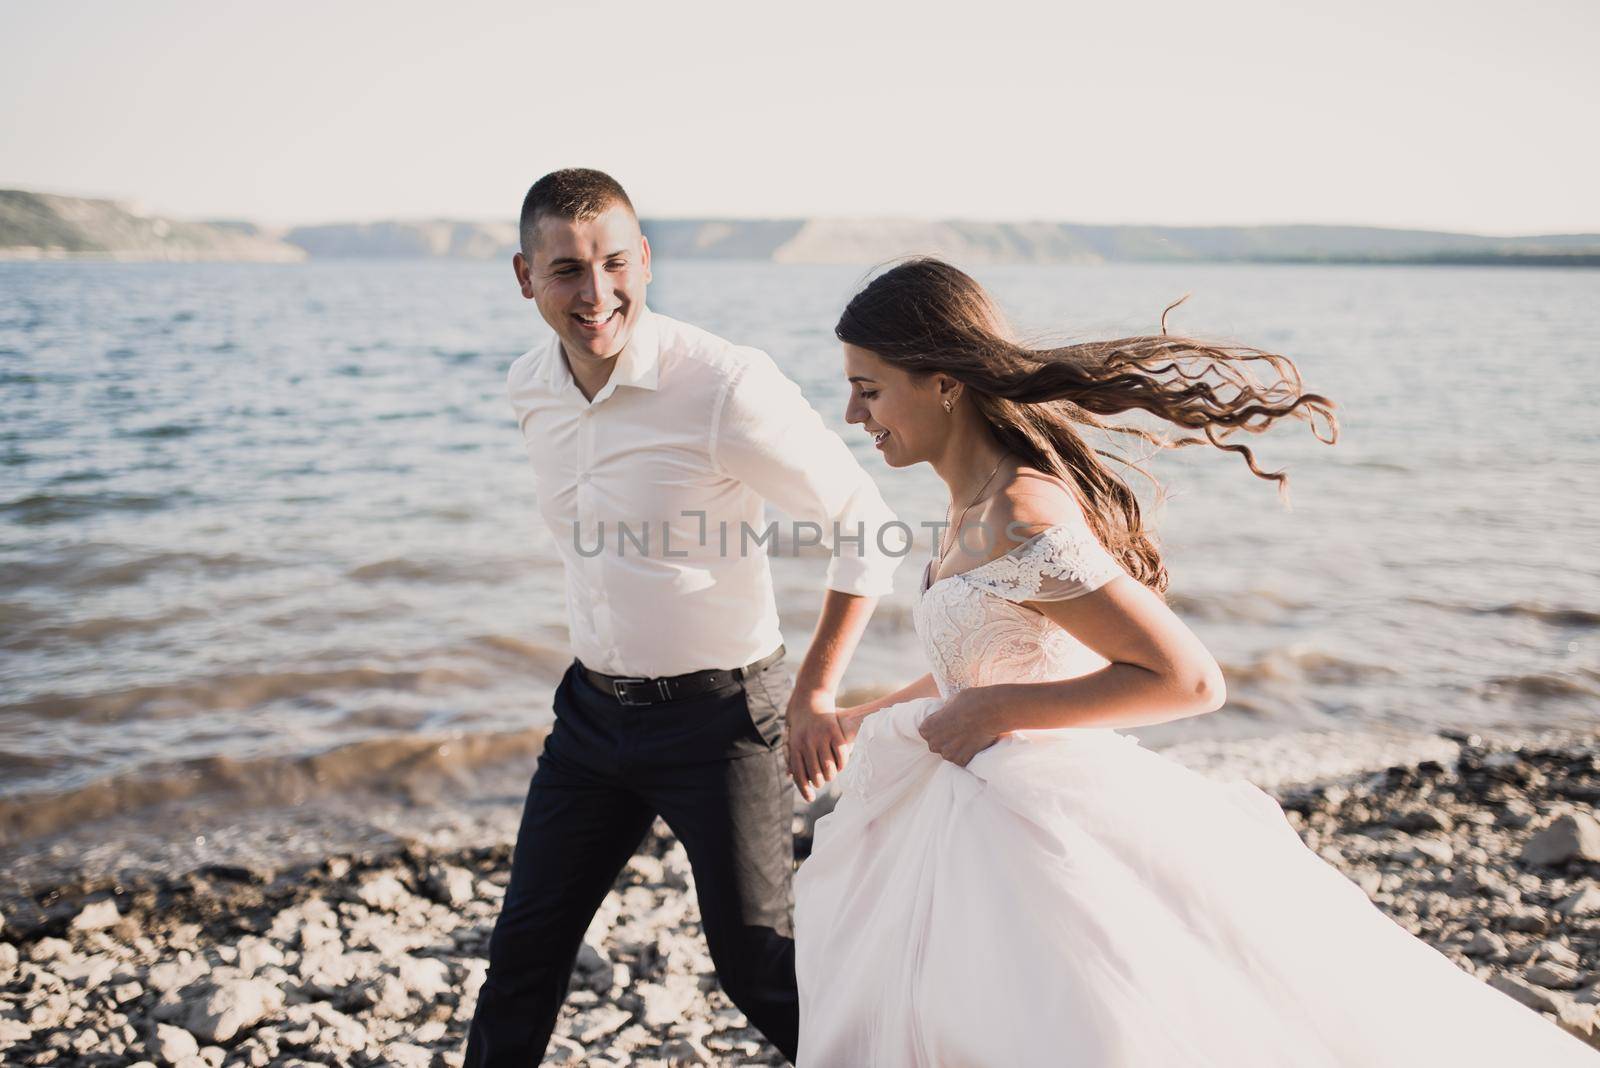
x=429, y=239
x=41, y=226
x=36, y=225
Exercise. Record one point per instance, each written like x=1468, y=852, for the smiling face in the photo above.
x=588, y=277
x=903, y=412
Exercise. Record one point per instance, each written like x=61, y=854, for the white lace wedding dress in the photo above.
x=1072, y=898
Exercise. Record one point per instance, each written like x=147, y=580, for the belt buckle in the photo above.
x=620, y=688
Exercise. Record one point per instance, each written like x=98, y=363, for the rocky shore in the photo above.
x=1492, y=856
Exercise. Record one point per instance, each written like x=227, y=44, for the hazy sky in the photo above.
x=1464, y=116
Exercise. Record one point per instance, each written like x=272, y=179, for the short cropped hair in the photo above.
x=574, y=193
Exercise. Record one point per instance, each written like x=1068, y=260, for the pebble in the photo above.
x=344, y=963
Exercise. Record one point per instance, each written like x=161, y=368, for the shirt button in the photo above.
x=583, y=479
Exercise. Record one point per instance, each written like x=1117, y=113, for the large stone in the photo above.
x=1581, y=1020
x=388, y=999
x=683, y=1051
x=649, y=870
x=256, y=953
x=563, y=1050
x=380, y=932
x=325, y=1023
x=1427, y=851
x=450, y=885
x=174, y=1044
x=314, y=936
x=48, y=949
x=1584, y=902
x=598, y=1022
x=91, y=970
x=675, y=870
x=425, y=977
x=1558, y=953
x=1573, y=836
x=1553, y=976
x=1421, y=819
x=289, y=922
x=97, y=916
x=175, y=974
x=1369, y=879
x=471, y=983
x=383, y=892
x=665, y=1002
x=1485, y=943
x=47, y=1010
x=225, y=1009
x=1528, y=920
x=593, y=968
x=1533, y=997
x=407, y=1055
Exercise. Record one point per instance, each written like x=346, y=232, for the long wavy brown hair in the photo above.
x=925, y=316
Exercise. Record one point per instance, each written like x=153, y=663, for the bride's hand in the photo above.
x=965, y=725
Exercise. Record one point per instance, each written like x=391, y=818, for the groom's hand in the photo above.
x=818, y=742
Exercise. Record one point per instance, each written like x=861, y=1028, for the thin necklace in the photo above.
x=948, y=543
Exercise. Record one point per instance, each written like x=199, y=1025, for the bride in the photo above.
x=1008, y=881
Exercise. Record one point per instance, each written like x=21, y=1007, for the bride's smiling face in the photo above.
x=901, y=411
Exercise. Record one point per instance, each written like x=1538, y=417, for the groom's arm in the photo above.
x=818, y=742
x=766, y=435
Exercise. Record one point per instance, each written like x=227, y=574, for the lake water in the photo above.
x=265, y=526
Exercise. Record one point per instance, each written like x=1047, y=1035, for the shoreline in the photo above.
x=1476, y=843
x=281, y=816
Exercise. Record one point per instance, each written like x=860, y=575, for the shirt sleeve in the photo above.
x=766, y=435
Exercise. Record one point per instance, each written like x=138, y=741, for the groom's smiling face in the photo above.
x=588, y=277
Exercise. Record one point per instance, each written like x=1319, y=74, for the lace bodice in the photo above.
x=976, y=630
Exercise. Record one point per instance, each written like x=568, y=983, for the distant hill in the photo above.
x=429, y=239
x=41, y=226
x=38, y=225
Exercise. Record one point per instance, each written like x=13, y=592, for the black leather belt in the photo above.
x=634, y=691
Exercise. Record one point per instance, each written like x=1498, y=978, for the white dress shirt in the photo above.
x=654, y=491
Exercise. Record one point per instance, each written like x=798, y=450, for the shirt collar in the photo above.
x=638, y=365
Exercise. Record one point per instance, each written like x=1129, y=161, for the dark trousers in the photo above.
x=713, y=768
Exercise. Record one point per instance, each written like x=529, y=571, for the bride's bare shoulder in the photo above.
x=1029, y=504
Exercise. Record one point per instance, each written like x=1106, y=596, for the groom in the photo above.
x=654, y=446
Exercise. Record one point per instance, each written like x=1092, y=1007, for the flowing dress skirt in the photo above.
x=1072, y=898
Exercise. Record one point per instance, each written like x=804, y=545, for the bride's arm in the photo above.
x=1158, y=671
x=852, y=717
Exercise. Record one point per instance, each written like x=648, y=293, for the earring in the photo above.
x=949, y=405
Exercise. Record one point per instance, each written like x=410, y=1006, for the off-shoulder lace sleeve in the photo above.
x=1059, y=564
